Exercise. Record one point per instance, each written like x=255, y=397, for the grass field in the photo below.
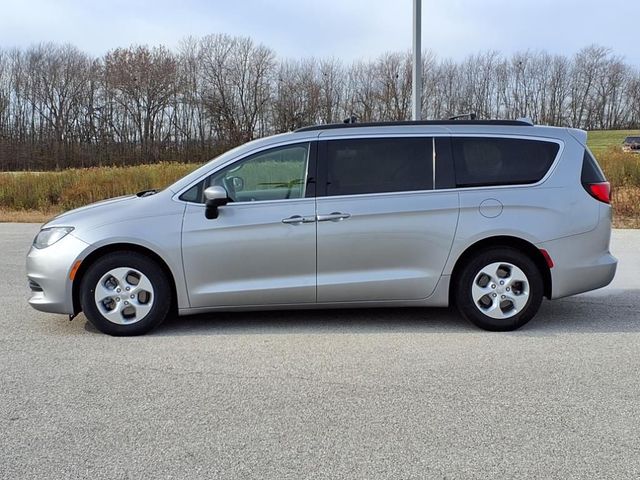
x=38, y=196
x=601, y=140
x=58, y=191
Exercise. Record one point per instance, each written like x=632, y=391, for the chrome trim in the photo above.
x=249, y=203
x=333, y=217
x=553, y=166
x=433, y=165
x=297, y=219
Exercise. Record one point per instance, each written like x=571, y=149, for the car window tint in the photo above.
x=194, y=194
x=362, y=166
x=501, y=161
x=591, y=172
x=275, y=174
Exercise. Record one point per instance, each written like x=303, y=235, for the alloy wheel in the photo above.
x=124, y=295
x=500, y=290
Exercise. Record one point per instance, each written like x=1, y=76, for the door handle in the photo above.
x=298, y=219
x=333, y=217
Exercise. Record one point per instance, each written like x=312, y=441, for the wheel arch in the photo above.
x=519, y=244
x=119, y=247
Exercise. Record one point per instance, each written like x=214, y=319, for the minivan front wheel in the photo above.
x=500, y=289
x=125, y=293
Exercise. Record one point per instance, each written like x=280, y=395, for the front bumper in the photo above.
x=48, y=274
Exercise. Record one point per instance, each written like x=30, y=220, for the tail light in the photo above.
x=600, y=191
x=593, y=180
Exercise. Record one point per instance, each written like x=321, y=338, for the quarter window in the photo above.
x=591, y=172
x=377, y=165
x=501, y=161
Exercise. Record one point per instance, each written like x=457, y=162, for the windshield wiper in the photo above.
x=147, y=193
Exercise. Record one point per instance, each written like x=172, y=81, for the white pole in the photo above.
x=416, y=111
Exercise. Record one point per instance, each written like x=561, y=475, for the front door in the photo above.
x=261, y=250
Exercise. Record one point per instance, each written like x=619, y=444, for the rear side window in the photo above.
x=591, y=172
x=501, y=161
x=379, y=165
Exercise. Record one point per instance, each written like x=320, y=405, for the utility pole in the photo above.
x=416, y=111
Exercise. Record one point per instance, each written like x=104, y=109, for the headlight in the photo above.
x=48, y=236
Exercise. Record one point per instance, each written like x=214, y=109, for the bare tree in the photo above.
x=60, y=107
x=239, y=75
x=143, y=82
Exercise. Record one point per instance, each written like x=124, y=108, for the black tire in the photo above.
x=161, y=300
x=464, y=281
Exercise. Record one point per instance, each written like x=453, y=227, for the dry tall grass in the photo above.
x=621, y=168
x=623, y=171
x=25, y=195
x=50, y=191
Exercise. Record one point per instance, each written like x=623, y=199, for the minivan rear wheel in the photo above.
x=499, y=289
x=125, y=293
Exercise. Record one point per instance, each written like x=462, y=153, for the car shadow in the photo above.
x=338, y=321
x=612, y=311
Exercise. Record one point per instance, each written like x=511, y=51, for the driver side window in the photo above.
x=275, y=174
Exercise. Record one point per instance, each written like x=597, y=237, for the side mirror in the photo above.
x=216, y=196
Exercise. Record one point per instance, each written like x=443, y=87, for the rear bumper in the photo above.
x=583, y=277
x=582, y=262
x=48, y=275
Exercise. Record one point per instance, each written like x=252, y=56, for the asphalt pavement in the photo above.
x=370, y=394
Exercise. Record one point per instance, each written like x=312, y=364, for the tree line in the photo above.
x=60, y=107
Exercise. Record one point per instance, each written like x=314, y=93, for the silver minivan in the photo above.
x=491, y=216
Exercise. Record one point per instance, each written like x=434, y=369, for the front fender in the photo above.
x=162, y=235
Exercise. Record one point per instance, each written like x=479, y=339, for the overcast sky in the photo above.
x=345, y=29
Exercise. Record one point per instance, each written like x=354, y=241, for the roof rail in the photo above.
x=405, y=123
x=468, y=116
x=526, y=120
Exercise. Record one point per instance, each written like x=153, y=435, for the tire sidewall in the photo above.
x=466, y=304
x=142, y=263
